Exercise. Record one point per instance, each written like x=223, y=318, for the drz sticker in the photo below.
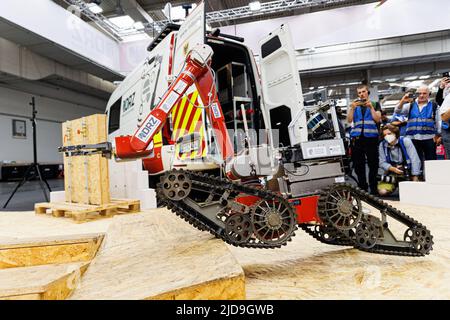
x=148, y=128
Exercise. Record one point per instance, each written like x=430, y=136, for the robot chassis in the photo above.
x=254, y=217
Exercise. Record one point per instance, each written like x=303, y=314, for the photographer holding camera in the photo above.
x=365, y=116
x=443, y=100
x=398, y=159
x=424, y=122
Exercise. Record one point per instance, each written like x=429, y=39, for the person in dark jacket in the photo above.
x=365, y=116
x=443, y=100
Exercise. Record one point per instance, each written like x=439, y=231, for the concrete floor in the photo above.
x=28, y=194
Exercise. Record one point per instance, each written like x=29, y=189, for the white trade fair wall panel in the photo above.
x=353, y=24
x=434, y=191
x=21, y=150
x=51, y=113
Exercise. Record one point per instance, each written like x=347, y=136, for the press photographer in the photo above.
x=365, y=116
x=398, y=158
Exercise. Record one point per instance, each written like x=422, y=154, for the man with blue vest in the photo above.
x=398, y=159
x=424, y=122
x=365, y=116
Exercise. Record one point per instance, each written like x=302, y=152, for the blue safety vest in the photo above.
x=422, y=123
x=363, y=124
x=405, y=155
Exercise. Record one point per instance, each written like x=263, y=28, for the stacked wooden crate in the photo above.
x=86, y=177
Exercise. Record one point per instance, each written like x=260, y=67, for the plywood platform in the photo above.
x=42, y=257
x=47, y=282
x=304, y=269
x=83, y=212
x=156, y=255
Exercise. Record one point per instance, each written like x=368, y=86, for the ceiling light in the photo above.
x=122, y=22
x=94, y=8
x=424, y=77
x=391, y=80
x=411, y=78
x=139, y=26
x=254, y=6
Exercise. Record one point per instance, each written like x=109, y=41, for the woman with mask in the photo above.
x=398, y=159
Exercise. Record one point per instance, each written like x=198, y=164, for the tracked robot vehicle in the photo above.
x=233, y=150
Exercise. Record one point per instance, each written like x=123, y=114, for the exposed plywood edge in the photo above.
x=49, y=241
x=25, y=253
x=221, y=289
x=31, y=296
x=49, y=282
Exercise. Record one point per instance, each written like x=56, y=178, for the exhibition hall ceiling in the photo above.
x=219, y=12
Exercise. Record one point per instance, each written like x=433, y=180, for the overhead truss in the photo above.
x=267, y=8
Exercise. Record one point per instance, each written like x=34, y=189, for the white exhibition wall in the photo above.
x=352, y=24
x=51, y=113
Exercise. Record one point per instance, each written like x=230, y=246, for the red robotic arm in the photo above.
x=196, y=70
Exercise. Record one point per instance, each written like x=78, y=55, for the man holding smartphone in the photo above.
x=365, y=116
x=444, y=88
x=443, y=100
x=424, y=122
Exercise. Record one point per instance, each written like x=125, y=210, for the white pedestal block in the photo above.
x=425, y=194
x=438, y=172
x=57, y=196
x=148, y=198
x=129, y=180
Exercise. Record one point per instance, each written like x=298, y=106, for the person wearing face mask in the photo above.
x=424, y=122
x=398, y=159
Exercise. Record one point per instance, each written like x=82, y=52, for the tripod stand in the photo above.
x=33, y=170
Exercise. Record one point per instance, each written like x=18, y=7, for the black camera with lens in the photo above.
x=412, y=95
x=387, y=178
x=394, y=178
x=360, y=102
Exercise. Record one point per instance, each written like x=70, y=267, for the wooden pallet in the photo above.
x=83, y=212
